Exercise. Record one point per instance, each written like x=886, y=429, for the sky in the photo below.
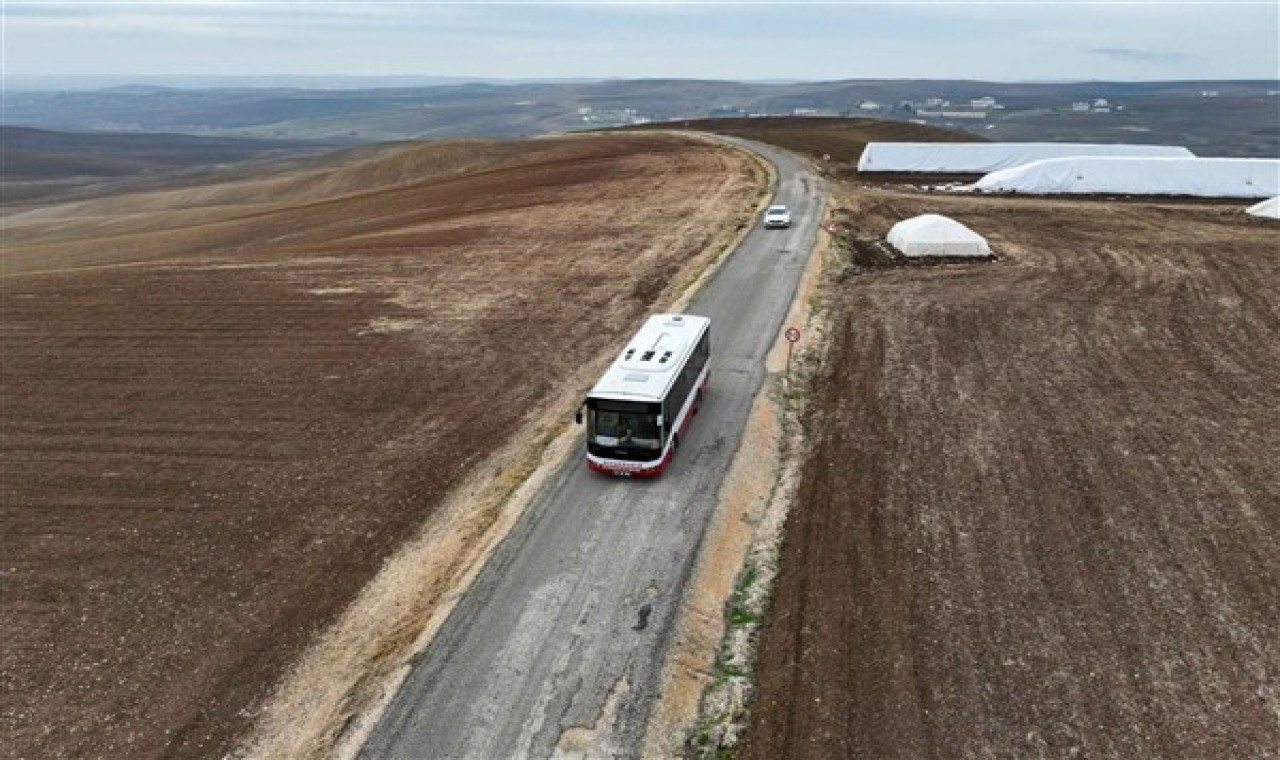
x=996, y=40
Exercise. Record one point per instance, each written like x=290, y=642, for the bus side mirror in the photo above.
x=577, y=416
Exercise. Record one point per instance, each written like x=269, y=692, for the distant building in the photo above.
x=1208, y=93
x=1080, y=105
x=612, y=117
x=954, y=114
x=983, y=103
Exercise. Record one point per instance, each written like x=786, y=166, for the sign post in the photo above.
x=793, y=335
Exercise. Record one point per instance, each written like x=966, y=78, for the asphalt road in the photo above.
x=568, y=624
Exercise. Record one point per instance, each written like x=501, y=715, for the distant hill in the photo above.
x=38, y=163
x=41, y=154
x=1225, y=118
x=41, y=165
x=834, y=142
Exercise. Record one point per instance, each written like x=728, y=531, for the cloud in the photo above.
x=134, y=23
x=205, y=18
x=1130, y=55
x=101, y=18
x=748, y=39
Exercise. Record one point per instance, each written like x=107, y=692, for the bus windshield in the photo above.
x=624, y=425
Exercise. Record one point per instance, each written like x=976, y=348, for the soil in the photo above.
x=1040, y=515
x=225, y=407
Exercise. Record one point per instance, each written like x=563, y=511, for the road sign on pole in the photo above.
x=793, y=335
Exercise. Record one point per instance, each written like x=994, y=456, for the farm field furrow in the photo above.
x=214, y=436
x=1041, y=512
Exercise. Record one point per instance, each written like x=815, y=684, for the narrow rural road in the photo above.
x=558, y=646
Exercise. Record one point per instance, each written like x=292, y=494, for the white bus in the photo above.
x=638, y=410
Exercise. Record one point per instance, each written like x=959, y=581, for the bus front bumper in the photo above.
x=624, y=469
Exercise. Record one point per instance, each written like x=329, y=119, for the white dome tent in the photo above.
x=1201, y=177
x=1269, y=209
x=981, y=158
x=937, y=236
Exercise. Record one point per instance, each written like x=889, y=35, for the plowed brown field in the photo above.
x=1041, y=513
x=224, y=407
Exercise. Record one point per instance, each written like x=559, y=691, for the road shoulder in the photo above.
x=744, y=532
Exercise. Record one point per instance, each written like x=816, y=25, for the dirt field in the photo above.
x=223, y=407
x=1041, y=516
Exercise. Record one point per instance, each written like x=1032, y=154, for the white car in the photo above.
x=777, y=216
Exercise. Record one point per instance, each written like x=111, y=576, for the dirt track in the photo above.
x=224, y=407
x=1041, y=517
